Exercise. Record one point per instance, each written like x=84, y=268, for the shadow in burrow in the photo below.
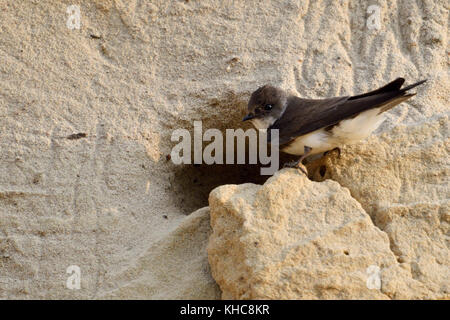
x=192, y=183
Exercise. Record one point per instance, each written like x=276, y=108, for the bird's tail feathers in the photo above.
x=403, y=96
x=392, y=103
x=412, y=85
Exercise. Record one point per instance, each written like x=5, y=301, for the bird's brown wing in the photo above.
x=304, y=115
x=307, y=115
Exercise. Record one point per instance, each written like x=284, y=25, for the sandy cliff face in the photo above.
x=293, y=238
x=111, y=203
x=401, y=180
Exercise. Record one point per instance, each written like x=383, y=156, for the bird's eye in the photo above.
x=268, y=107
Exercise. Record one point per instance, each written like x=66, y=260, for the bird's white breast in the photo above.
x=263, y=123
x=346, y=132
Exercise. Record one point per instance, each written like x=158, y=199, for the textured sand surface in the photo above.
x=401, y=180
x=293, y=238
x=110, y=202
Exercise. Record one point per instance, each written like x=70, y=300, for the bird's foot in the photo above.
x=296, y=165
x=337, y=149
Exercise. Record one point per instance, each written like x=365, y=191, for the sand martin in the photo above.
x=311, y=126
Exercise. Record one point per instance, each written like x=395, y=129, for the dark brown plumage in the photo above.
x=307, y=115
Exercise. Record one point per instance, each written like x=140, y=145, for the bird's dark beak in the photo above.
x=248, y=117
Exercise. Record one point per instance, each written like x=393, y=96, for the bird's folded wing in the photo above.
x=306, y=115
x=303, y=116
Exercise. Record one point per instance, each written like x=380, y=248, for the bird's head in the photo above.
x=265, y=106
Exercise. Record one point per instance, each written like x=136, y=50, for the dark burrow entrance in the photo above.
x=191, y=184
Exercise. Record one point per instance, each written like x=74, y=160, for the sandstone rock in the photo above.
x=293, y=238
x=401, y=179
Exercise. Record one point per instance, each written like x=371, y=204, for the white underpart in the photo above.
x=347, y=132
x=263, y=123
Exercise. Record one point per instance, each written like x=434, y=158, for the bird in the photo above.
x=312, y=126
